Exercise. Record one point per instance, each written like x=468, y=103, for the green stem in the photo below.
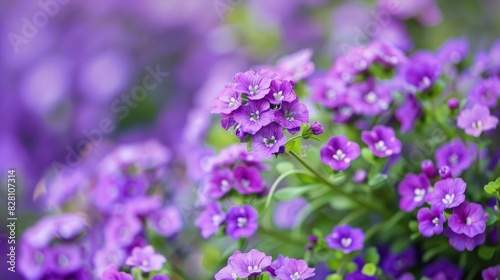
x=361, y=203
x=352, y=216
x=293, y=138
x=279, y=236
x=388, y=225
x=278, y=180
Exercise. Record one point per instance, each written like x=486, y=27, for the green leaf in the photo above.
x=334, y=264
x=334, y=277
x=372, y=256
x=492, y=217
x=341, y=203
x=369, y=269
x=292, y=192
x=486, y=253
x=295, y=145
x=413, y=225
x=249, y=145
x=350, y=267
x=492, y=187
x=264, y=276
x=377, y=180
x=368, y=155
x=284, y=166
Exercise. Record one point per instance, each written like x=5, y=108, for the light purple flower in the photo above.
x=491, y=273
x=167, y=221
x=65, y=259
x=276, y=264
x=227, y=101
x=241, y=221
x=254, y=85
x=476, y=120
x=297, y=65
x=382, y=141
x=295, y=270
x=453, y=51
x=413, y=190
x=146, y=259
x=112, y=273
x=160, y=277
x=408, y=113
x=248, y=180
x=292, y=115
x=359, y=176
x=355, y=61
x=121, y=230
x=469, y=219
x=268, y=140
x=329, y=92
x=142, y=205
x=386, y=54
x=220, y=182
x=32, y=261
x=346, y=239
x=430, y=221
x=288, y=214
x=253, y=116
x=461, y=242
x=369, y=98
x=455, y=155
x=339, y=152
x=210, y=219
x=448, y=193
x=281, y=91
x=422, y=70
x=486, y=92
x=104, y=257
x=248, y=264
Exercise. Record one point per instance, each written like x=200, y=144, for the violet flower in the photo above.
x=281, y=91
x=453, y=51
x=317, y=128
x=469, y=219
x=253, y=116
x=227, y=101
x=339, y=152
x=65, y=259
x=369, y=98
x=254, y=85
x=422, y=70
x=442, y=269
x=413, y=190
x=268, y=140
x=491, y=273
x=295, y=270
x=455, y=155
x=430, y=221
x=210, y=219
x=346, y=239
x=112, y=273
x=248, y=180
x=382, y=141
x=241, y=221
x=476, y=120
x=486, y=92
x=221, y=181
x=146, y=259
x=292, y=115
x=448, y=193
x=408, y=113
x=249, y=264
x=167, y=221
x=461, y=242
x=121, y=230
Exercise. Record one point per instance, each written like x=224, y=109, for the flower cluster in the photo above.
x=255, y=263
x=260, y=105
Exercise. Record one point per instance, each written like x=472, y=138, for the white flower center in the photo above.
x=253, y=89
x=278, y=96
x=330, y=94
x=253, y=269
x=269, y=142
x=224, y=185
x=477, y=125
x=468, y=221
x=419, y=195
x=295, y=276
x=245, y=183
x=346, y=242
x=371, y=97
x=425, y=82
x=435, y=221
x=339, y=155
x=144, y=263
x=242, y=221
x=163, y=223
x=62, y=260
x=380, y=146
x=448, y=199
x=232, y=102
x=453, y=159
x=254, y=116
x=289, y=116
x=216, y=219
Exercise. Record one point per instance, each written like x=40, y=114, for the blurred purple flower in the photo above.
x=241, y=221
x=287, y=214
x=422, y=70
x=346, y=239
x=442, y=269
x=455, y=155
x=396, y=264
x=112, y=273
x=369, y=98
x=453, y=51
x=64, y=260
x=167, y=221
x=146, y=259
x=491, y=273
x=408, y=113
x=382, y=141
x=461, y=242
x=210, y=219
x=428, y=168
x=413, y=190
x=121, y=230
x=486, y=92
x=220, y=182
x=248, y=180
x=476, y=120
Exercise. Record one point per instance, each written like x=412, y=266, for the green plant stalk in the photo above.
x=387, y=224
x=278, y=180
x=364, y=204
x=278, y=236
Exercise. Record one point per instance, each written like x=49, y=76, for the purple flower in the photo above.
x=276, y=264
x=241, y=221
x=408, y=113
x=455, y=155
x=491, y=273
x=254, y=85
x=359, y=176
x=248, y=180
x=486, y=92
x=107, y=256
x=288, y=214
x=167, y=221
x=329, y=92
x=227, y=101
x=356, y=61
x=448, y=193
x=142, y=205
x=248, y=264
x=444, y=172
x=387, y=54
x=461, y=242
x=428, y=168
x=317, y=128
x=430, y=222
x=454, y=50
x=295, y=270
x=297, y=65
x=469, y=219
x=121, y=230
x=65, y=259
x=476, y=120
x=413, y=190
x=339, y=152
x=268, y=140
x=220, y=182
x=369, y=98
x=291, y=115
x=146, y=259
x=210, y=219
x=253, y=116
x=422, y=70
x=346, y=238
x=281, y=91
x=112, y=273
x=33, y=261
x=442, y=269
x=160, y=277
x=395, y=264
x=382, y=141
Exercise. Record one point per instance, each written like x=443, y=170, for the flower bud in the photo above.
x=445, y=172
x=359, y=176
x=428, y=168
x=317, y=128
x=453, y=103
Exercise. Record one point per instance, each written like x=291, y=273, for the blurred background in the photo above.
x=80, y=77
